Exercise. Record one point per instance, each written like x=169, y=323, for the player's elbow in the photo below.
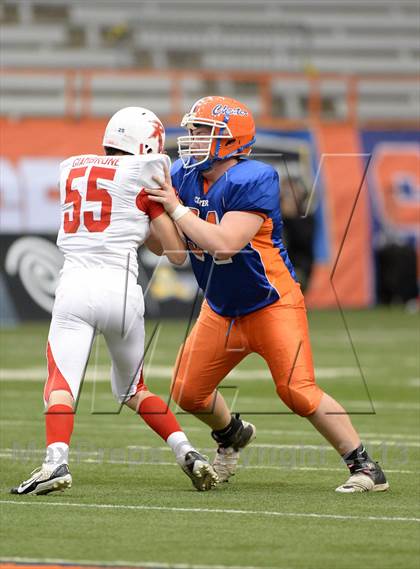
x=224, y=255
x=176, y=257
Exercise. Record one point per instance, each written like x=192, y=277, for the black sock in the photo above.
x=223, y=436
x=356, y=458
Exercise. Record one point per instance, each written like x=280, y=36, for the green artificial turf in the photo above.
x=131, y=503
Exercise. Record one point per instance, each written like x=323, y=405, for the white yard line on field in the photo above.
x=329, y=448
x=264, y=513
x=125, y=564
x=383, y=437
x=102, y=373
x=98, y=457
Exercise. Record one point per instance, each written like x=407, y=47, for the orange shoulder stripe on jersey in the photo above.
x=275, y=269
x=259, y=213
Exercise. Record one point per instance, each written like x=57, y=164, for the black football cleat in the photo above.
x=201, y=472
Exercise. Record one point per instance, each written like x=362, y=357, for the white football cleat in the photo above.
x=226, y=460
x=369, y=478
x=48, y=478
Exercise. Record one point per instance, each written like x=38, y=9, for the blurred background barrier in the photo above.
x=335, y=93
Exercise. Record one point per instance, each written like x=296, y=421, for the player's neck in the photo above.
x=218, y=169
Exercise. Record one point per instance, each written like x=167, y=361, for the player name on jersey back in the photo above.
x=103, y=160
x=105, y=212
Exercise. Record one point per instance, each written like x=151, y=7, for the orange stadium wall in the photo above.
x=347, y=276
x=347, y=174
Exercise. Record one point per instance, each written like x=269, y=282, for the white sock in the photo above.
x=179, y=444
x=57, y=454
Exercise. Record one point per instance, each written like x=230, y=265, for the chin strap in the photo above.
x=206, y=165
x=238, y=150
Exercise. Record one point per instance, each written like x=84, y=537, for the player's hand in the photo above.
x=165, y=194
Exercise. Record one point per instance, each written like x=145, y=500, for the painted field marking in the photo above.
x=126, y=564
x=103, y=373
x=103, y=460
x=266, y=513
x=198, y=429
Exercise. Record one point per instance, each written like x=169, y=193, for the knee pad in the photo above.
x=300, y=398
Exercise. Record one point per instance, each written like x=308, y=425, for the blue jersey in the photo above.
x=261, y=272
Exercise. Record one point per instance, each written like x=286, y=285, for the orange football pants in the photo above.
x=279, y=333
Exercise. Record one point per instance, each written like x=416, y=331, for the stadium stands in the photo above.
x=358, y=38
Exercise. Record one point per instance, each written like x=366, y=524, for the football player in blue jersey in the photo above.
x=228, y=208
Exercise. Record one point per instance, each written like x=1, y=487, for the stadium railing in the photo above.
x=279, y=100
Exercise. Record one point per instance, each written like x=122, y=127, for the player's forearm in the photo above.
x=164, y=231
x=154, y=245
x=222, y=240
x=176, y=255
x=175, y=252
x=208, y=236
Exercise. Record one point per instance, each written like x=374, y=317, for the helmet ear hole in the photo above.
x=110, y=151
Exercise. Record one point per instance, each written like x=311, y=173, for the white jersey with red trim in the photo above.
x=105, y=212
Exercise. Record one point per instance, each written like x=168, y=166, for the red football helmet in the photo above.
x=232, y=132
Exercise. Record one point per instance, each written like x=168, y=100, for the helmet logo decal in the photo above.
x=226, y=110
x=158, y=133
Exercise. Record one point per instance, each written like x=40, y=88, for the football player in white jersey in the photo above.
x=105, y=216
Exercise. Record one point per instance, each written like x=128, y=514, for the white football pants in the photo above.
x=89, y=302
